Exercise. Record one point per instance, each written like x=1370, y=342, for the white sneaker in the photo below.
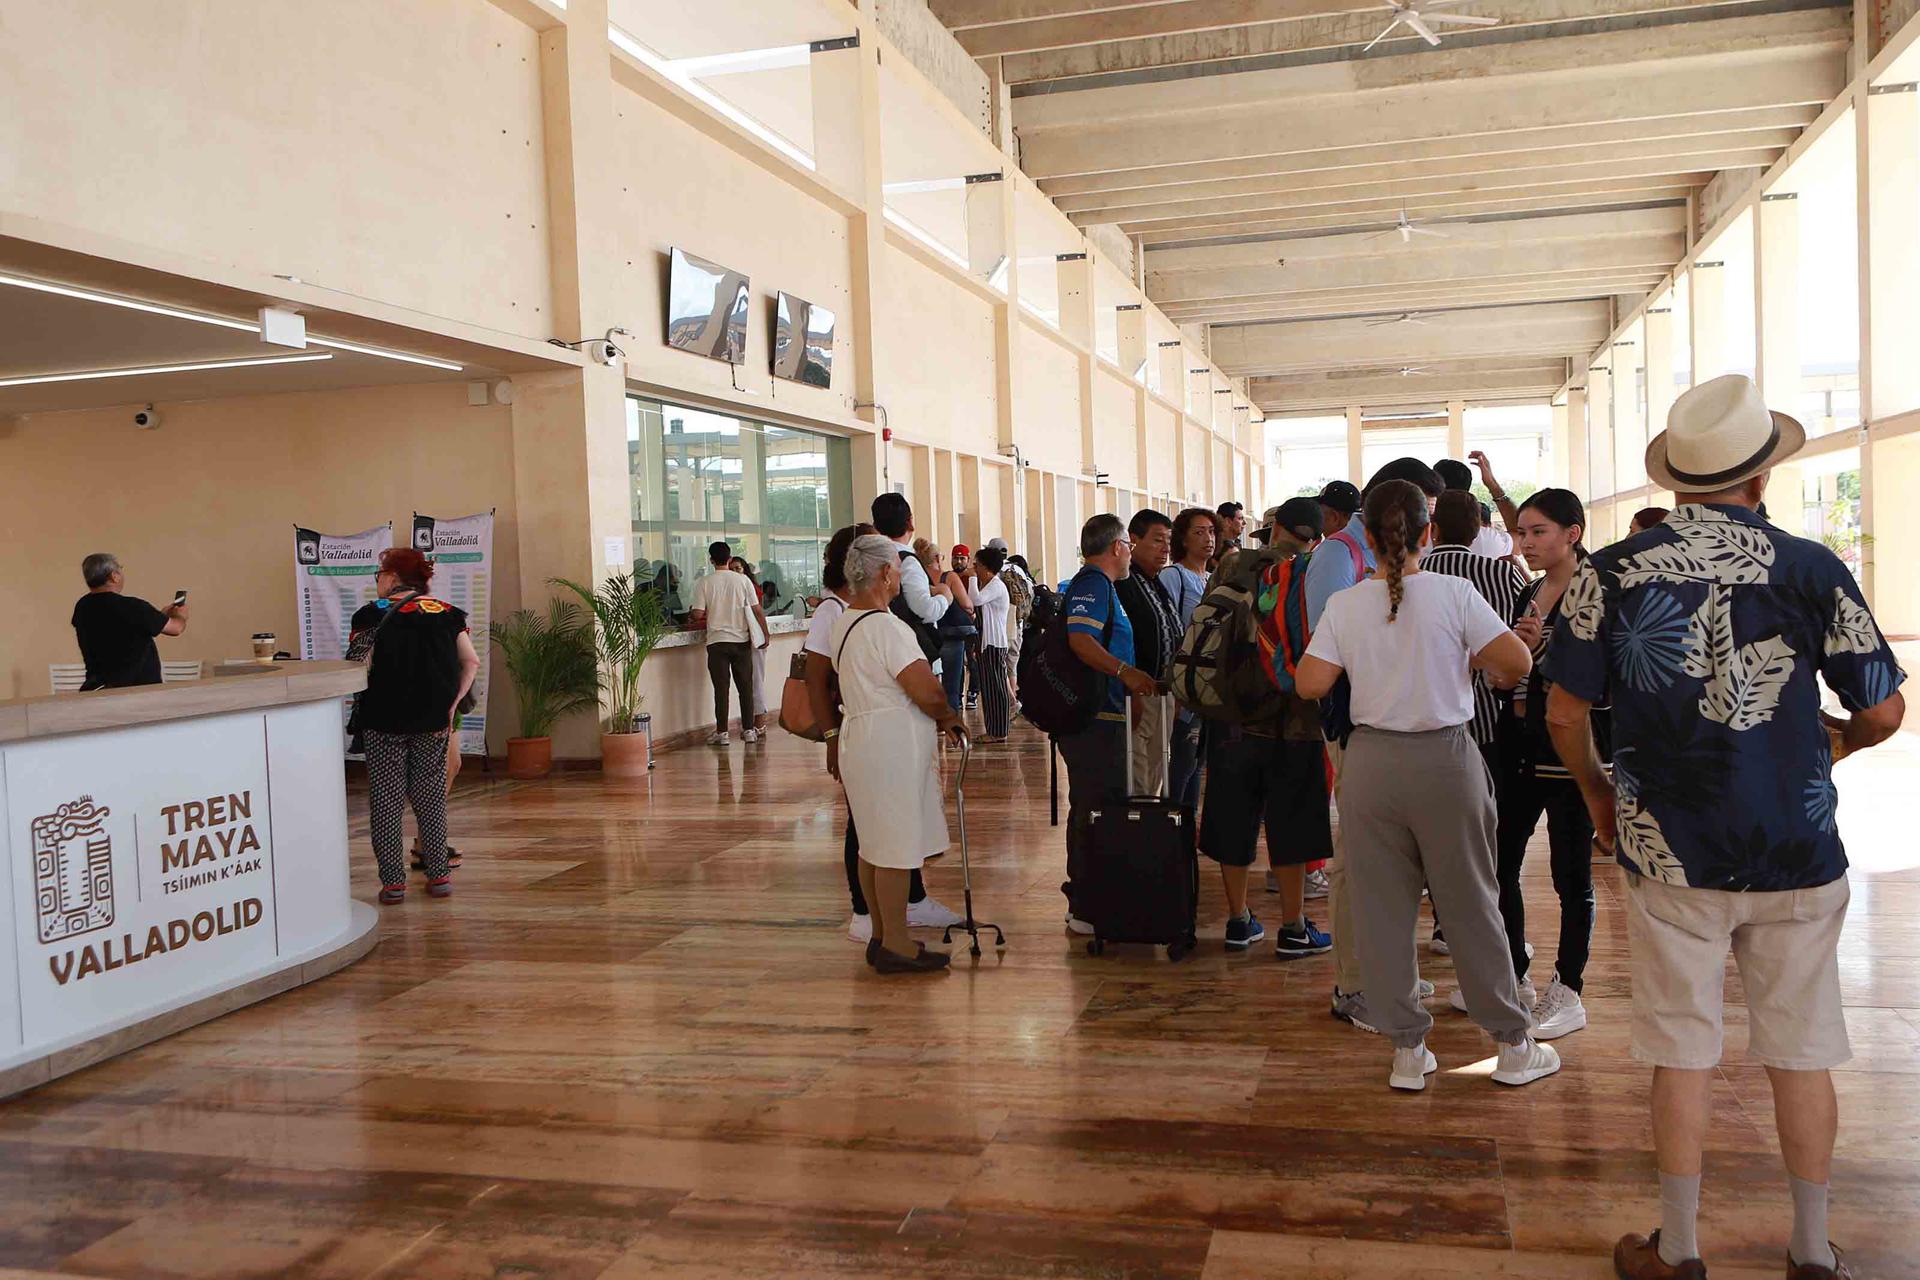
x=1438, y=945
x=1422, y=990
x=1525, y=1062
x=1528, y=996
x=860, y=929
x=1558, y=1012
x=1316, y=885
x=1076, y=925
x=718, y=739
x=931, y=913
x=1411, y=1067
x=751, y=735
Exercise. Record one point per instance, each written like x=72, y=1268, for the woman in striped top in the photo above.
x=1533, y=782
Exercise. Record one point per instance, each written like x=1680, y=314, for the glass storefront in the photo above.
x=774, y=494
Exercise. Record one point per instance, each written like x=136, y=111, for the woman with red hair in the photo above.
x=421, y=662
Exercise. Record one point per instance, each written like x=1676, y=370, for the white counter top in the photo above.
x=693, y=637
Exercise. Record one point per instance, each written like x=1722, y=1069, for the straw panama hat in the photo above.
x=1719, y=434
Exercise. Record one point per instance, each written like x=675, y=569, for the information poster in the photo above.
x=142, y=867
x=462, y=552
x=333, y=577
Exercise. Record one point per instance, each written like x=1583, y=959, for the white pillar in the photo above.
x=1356, y=454
x=1629, y=445
x=1707, y=293
x=1457, y=429
x=1660, y=389
x=1572, y=467
x=1891, y=180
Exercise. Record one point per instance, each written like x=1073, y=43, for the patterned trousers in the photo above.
x=403, y=767
x=996, y=702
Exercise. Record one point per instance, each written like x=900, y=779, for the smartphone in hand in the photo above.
x=179, y=597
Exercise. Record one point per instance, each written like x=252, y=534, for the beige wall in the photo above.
x=209, y=502
x=389, y=149
x=942, y=337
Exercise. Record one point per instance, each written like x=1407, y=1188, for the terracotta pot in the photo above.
x=625, y=755
x=529, y=757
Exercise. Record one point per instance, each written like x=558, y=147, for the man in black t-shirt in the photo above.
x=116, y=630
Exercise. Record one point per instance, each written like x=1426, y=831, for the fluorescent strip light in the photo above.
x=707, y=97
x=131, y=304
x=222, y=322
x=384, y=354
x=779, y=58
x=142, y=370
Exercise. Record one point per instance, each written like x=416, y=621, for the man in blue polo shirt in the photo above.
x=1710, y=635
x=1101, y=637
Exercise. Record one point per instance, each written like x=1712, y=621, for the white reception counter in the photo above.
x=173, y=853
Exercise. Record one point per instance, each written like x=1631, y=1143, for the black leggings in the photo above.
x=916, y=892
x=1524, y=798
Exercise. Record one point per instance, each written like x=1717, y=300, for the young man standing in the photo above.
x=1233, y=523
x=1711, y=634
x=1156, y=634
x=723, y=602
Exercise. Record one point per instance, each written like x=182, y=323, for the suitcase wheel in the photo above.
x=1178, y=951
x=1096, y=947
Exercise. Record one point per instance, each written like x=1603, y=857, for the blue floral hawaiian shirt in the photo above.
x=1706, y=633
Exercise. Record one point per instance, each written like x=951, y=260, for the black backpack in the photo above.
x=1059, y=694
x=922, y=631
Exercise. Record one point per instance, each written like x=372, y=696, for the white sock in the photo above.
x=1809, y=1243
x=1679, y=1214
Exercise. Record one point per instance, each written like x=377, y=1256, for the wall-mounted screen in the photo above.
x=802, y=341
x=707, y=309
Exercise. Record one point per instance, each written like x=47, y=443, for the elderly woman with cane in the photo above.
x=895, y=712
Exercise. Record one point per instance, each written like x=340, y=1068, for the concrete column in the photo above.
x=941, y=524
x=1356, y=456
x=1629, y=425
x=1077, y=322
x=1776, y=277
x=967, y=521
x=1660, y=388
x=925, y=496
x=1572, y=466
x=1457, y=429
x=1145, y=474
x=1707, y=293
x=1890, y=180
x=1557, y=448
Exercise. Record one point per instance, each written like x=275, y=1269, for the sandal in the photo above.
x=440, y=888
x=392, y=893
x=453, y=858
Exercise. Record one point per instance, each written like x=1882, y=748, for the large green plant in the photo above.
x=550, y=660
x=629, y=620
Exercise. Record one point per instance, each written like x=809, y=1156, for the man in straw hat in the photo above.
x=1707, y=633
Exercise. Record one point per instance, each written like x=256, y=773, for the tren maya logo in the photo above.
x=72, y=870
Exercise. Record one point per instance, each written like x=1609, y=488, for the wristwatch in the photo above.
x=830, y=735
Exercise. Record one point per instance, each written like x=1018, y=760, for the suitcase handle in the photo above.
x=1166, y=748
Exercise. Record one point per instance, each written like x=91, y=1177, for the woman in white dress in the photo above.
x=895, y=712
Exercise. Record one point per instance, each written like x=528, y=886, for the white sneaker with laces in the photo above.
x=751, y=735
x=717, y=739
x=1525, y=1062
x=1528, y=996
x=1316, y=885
x=1422, y=990
x=1411, y=1067
x=931, y=913
x=1559, y=1012
x=860, y=929
x=1076, y=925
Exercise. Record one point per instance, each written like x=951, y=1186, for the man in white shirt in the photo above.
x=1493, y=539
x=726, y=604
x=893, y=516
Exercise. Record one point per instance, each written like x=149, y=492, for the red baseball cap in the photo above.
x=962, y=549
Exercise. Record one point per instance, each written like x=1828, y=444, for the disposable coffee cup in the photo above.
x=265, y=644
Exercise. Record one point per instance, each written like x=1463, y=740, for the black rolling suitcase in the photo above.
x=1141, y=880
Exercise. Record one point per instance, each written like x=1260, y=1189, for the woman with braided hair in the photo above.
x=1415, y=797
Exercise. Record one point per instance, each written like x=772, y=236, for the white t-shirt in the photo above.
x=993, y=603
x=880, y=650
x=1492, y=541
x=1410, y=675
x=820, y=628
x=728, y=599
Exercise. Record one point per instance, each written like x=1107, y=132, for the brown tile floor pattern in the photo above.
x=637, y=1043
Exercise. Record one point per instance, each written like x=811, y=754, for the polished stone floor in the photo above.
x=638, y=1044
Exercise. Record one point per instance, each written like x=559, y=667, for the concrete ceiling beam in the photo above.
x=1146, y=22
x=1678, y=154
x=1545, y=330
x=1736, y=64
x=1390, y=389
x=1426, y=302
x=1577, y=139
x=1381, y=214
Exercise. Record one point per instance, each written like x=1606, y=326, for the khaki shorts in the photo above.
x=1786, y=945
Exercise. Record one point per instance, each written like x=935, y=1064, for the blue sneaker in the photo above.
x=1289, y=944
x=1243, y=932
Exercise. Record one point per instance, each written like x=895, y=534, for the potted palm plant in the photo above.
x=628, y=621
x=550, y=660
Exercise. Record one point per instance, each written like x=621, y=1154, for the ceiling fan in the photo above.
x=1405, y=317
x=1417, y=15
x=1406, y=228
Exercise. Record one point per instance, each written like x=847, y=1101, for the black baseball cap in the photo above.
x=1341, y=496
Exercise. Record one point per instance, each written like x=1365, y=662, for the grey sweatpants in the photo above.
x=1417, y=811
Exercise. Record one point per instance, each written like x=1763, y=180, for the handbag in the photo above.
x=796, y=707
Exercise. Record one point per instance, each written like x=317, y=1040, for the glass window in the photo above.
x=773, y=494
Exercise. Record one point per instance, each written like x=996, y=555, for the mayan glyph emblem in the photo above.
x=72, y=870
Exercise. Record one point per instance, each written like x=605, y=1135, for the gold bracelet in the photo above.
x=830, y=735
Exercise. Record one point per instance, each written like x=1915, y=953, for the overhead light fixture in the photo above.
x=130, y=304
x=219, y=322
x=385, y=354
x=138, y=371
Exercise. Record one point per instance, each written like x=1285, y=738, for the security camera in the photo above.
x=604, y=352
x=146, y=419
